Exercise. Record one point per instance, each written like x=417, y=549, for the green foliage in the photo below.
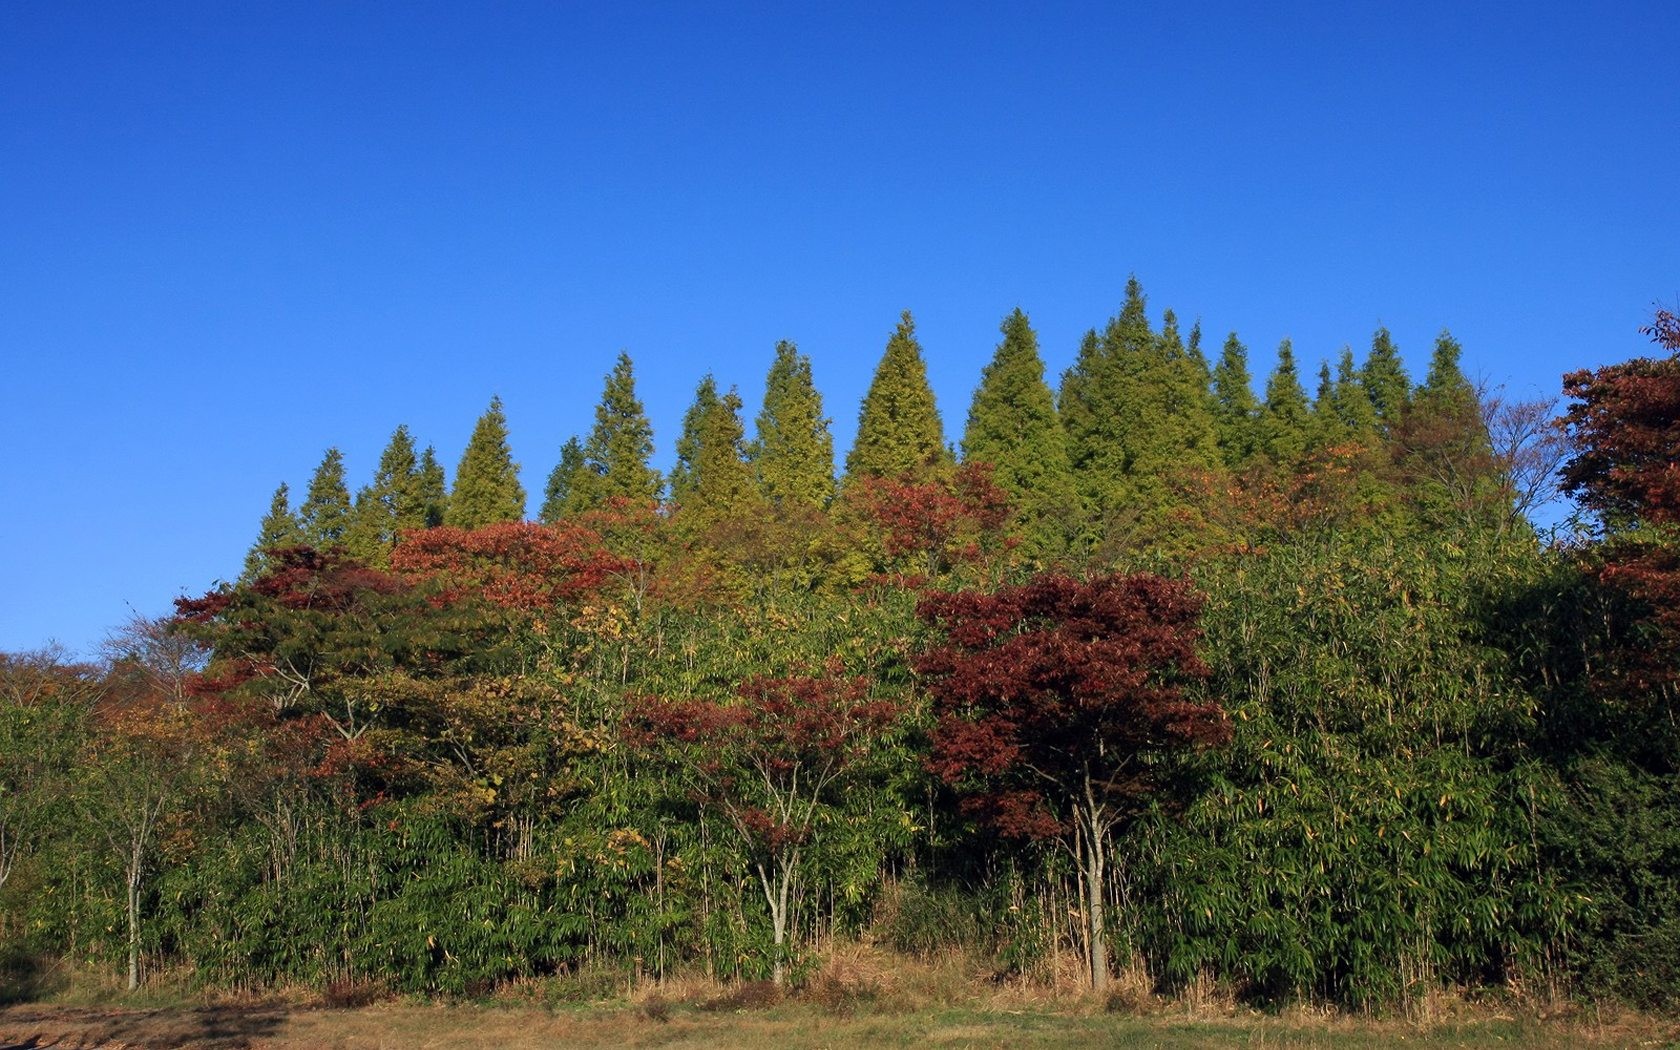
x=487, y=489
x=1285, y=420
x=391, y=504
x=325, y=513
x=280, y=528
x=1384, y=379
x=557, y=495
x=615, y=456
x=898, y=425
x=431, y=489
x=793, y=453
x=1236, y=409
x=1013, y=426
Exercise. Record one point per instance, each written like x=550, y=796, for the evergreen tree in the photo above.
x=793, y=454
x=1100, y=402
x=1077, y=404
x=898, y=426
x=387, y=506
x=431, y=491
x=1284, y=422
x=1443, y=449
x=1325, y=426
x=685, y=471
x=280, y=528
x=721, y=481
x=561, y=481
x=615, y=457
x=1012, y=425
x=1353, y=406
x=1178, y=431
x=1236, y=409
x=487, y=489
x=1384, y=379
x=325, y=514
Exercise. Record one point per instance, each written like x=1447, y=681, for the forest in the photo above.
x=1278, y=690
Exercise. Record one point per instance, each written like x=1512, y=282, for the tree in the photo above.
x=1054, y=700
x=487, y=489
x=325, y=513
x=1285, y=420
x=684, y=472
x=793, y=453
x=1441, y=446
x=280, y=528
x=431, y=489
x=615, y=457
x=1384, y=379
x=775, y=764
x=1236, y=409
x=44, y=704
x=898, y=425
x=389, y=505
x=1012, y=425
x=562, y=480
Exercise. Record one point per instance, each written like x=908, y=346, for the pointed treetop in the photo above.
x=684, y=472
x=279, y=529
x=793, y=454
x=558, y=493
x=615, y=457
x=898, y=425
x=1384, y=378
x=1236, y=409
x=1284, y=420
x=325, y=513
x=487, y=489
x=720, y=479
x=431, y=490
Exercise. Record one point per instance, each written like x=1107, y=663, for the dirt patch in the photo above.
x=231, y=1027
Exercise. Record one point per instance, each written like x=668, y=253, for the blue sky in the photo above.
x=234, y=234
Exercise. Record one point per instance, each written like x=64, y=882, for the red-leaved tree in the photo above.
x=1053, y=700
x=772, y=762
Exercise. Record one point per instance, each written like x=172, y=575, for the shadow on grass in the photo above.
x=229, y=1027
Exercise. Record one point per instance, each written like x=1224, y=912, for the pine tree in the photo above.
x=431, y=491
x=722, y=480
x=1325, y=426
x=1284, y=421
x=1236, y=409
x=615, y=457
x=387, y=506
x=487, y=489
x=561, y=482
x=280, y=528
x=898, y=426
x=1384, y=379
x=685, y=471
x=1012, y=425
x=325, y=513
x=793, y=454
x=1442, y=446
x=1100, y=402
x=1353, y=406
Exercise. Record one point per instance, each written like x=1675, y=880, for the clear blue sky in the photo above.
x=234, y=234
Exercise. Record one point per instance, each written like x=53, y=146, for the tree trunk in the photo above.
x=135, y=857
x=1094, y=879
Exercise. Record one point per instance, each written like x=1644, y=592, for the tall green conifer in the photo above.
x=1236, y=409
x=325, y=513
x=615, y=457
x=898, y=426
x=1012, y=425
x=487, y=489
x=1384, y=379
x=279, y=528
x=1353, y=405
x=721, y=482
x=685, y=471
x=390, y=504
x=561, y=480
x=793, y=453
x=1284, y=422
x=431, y=490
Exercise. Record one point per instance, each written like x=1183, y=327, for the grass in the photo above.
x=860, y=997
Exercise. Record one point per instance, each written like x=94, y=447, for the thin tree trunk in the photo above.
x=1094, y=879
x=134, y=859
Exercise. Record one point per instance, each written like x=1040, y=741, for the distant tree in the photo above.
x=325, y=513
x=793, y=452
x=45, y=699
x=1012, y=425
x=776, y=763
x=557, y=496
x=280, y=528
x=723, y=483
x=487, y=489
x=389, y=505
x=684, y=472
x=616, y=454
x=431, y=489
x=1384, y=379
x=898, y=426
x=1236, y=409
x=1053, y=701
x=1285, y=420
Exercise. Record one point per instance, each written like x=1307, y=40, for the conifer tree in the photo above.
x=793, y=454
x=388, y=505
x=279, y=528
x=685, y=471
x=487, y=489
x=1325, y=426
x=561, y=481
x=1353, y=405
x=1384, y=379
x=325, y=513
x=1177, y=431
x=1100, y=401
x=898, y=426
x=721, y=482
x=1284, y=420
x=431, y=490
x=1236, y=409
x=615, y=456
x=1442, y=446
x=1077, y=403
x=1012, y=425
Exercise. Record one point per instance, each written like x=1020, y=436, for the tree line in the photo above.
x=1283, y=693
